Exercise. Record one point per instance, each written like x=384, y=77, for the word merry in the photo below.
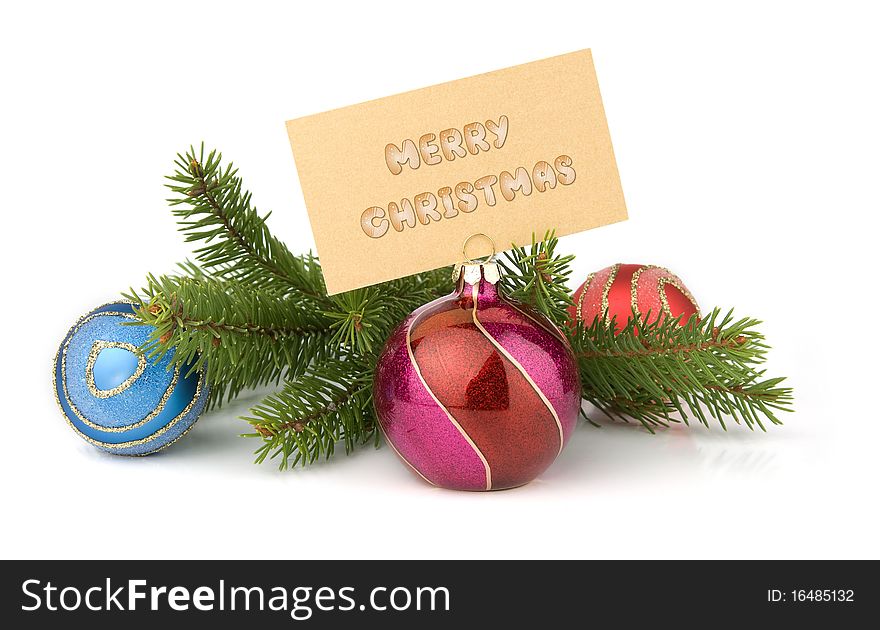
x=448, y=202
x=451, y=143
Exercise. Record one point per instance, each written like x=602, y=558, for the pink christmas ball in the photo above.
x=476, y=392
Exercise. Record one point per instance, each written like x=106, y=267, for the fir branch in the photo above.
x=538, y=277
x=212, y=206
x=364, y=318
x=243, y=336
x=330, y=403
x=256, y=314
x=657, y=371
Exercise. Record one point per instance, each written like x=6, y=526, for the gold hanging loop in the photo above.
x=483, y=259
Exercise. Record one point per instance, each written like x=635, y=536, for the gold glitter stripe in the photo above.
x=97, y=347
x=579, y=315
x=62, y=354
x=661, y=282
x=521, y=369
x=634, y=289
x=664, y=300
x=129, y=427
x=69, y=334
x=612, y=276
x=455, y=423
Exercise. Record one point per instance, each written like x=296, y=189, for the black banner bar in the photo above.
x=429, y=594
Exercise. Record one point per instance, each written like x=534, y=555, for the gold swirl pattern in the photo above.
x=670, y=279
x=62, y=356
x=519, y=367
x=97, y=347
x=454, y=422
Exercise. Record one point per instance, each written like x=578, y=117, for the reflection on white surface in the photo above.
x=618, y=450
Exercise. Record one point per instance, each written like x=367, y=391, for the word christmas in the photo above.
x=451, y=144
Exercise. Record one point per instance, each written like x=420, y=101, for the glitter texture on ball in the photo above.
x=622, y=289
x=475, y=391
x=115, y=398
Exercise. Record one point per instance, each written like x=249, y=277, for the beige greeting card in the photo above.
x=397, y=185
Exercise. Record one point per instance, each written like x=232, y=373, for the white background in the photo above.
x=747, y=141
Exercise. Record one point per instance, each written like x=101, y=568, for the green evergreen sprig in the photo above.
x=363, y=318
x=538, y=277
x=252, y=314
x=243, y=336
x=330, y=404
x=658, y=371
x=212, y=207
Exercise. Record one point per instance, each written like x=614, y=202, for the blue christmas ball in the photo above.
x=116, y=399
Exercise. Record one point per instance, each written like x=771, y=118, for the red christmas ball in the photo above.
x=624, y=289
